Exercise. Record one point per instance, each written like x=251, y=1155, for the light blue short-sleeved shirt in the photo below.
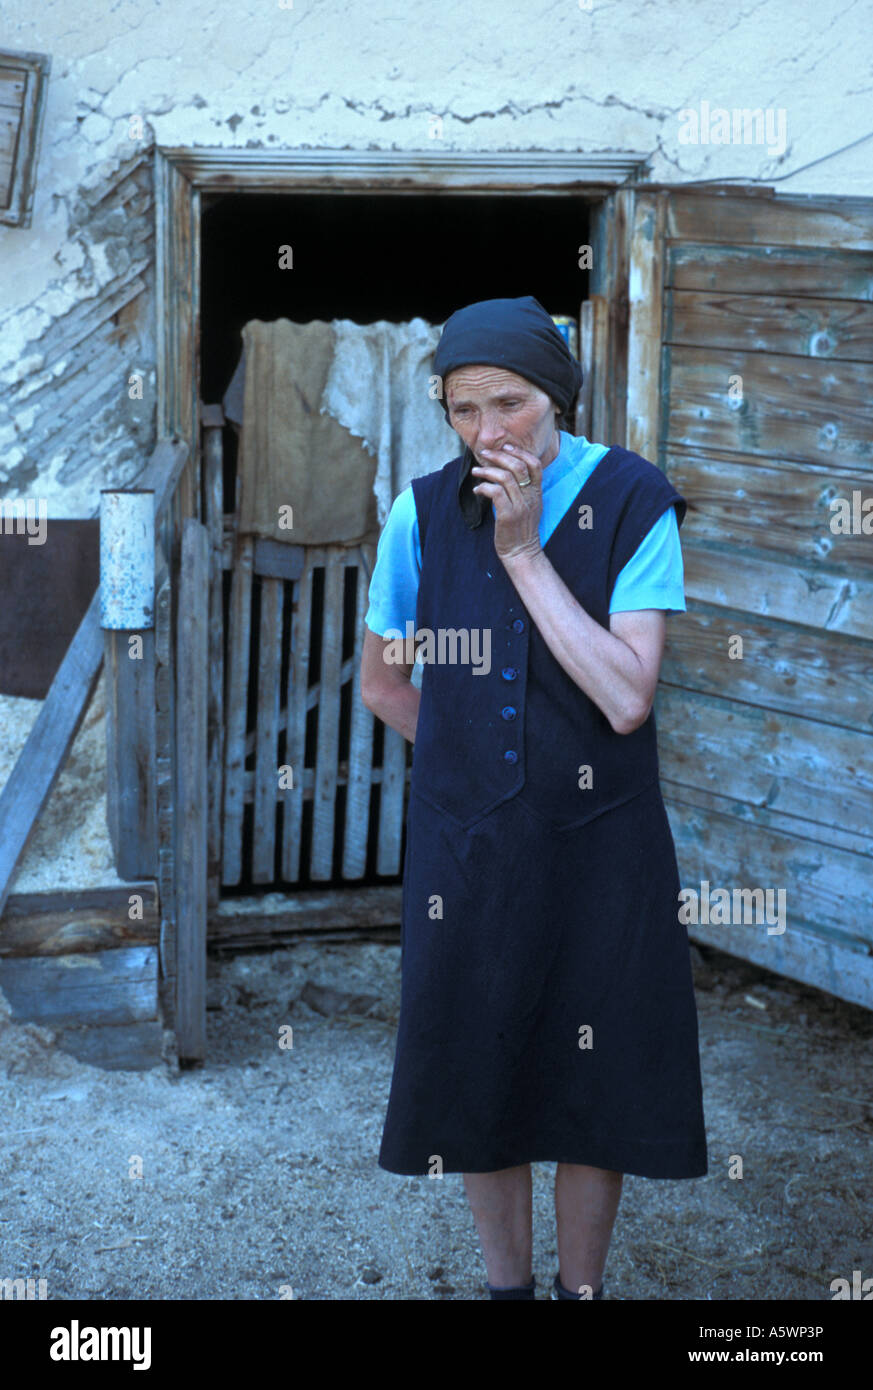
x=652, y=578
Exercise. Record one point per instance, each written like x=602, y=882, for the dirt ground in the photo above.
x=259, y=1173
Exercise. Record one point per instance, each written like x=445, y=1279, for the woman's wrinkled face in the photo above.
x=490, y=407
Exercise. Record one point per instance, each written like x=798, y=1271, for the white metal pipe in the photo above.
x=127, y=559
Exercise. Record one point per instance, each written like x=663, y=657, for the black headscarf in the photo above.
x=518, y=335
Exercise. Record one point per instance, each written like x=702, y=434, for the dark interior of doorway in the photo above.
x=369, y=256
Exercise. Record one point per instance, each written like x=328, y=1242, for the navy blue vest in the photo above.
x=525, y=728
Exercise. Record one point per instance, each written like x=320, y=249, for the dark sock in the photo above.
x=521, y=1291
x=565, y=1293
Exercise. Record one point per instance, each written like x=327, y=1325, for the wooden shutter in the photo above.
x=750, y=382
x=23, y=81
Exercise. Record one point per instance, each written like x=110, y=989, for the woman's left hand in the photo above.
x=518, y=509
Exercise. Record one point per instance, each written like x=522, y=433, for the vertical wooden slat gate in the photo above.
x=284, y=736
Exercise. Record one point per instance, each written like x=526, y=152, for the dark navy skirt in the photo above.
x=519, y=942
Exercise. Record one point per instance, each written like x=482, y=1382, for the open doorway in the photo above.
x=368, y=256
x=382, y=235
x=365, y=257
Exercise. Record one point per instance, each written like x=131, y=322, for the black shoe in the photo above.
x=558, y=1291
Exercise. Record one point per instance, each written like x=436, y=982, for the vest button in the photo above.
x=511, y=756
x=518, y=625
x=509, y=673
x=508, y=711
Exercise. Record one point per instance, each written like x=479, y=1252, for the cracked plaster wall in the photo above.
x=77, y=287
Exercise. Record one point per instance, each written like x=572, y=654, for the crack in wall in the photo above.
x=513, y=109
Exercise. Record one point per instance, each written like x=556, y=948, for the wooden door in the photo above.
x=750, y=381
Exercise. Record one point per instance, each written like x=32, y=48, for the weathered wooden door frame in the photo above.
x=183, y=176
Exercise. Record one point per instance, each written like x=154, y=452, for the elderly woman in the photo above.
x=547, y=1006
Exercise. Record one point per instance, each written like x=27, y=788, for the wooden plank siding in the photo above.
x=784, y=762
x=822, y=328
x=267, y=730
x=794, y=272
x=327, y=747
x=361, y=731
x=612, y=226
x=823, y=676
x=131, y=765
x=296, y=706
x=80, y=921
x=646, y=306
x=820, y=224
x=117, y=986
x=329, y=911
x=766, y=757
x=778, y=505
x=192, y=705
x=239, y=642
x=812, y=596
x=730, y=843
x=102, y=1007
x=805, y=409
x=213, y=517
x=165, y=765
